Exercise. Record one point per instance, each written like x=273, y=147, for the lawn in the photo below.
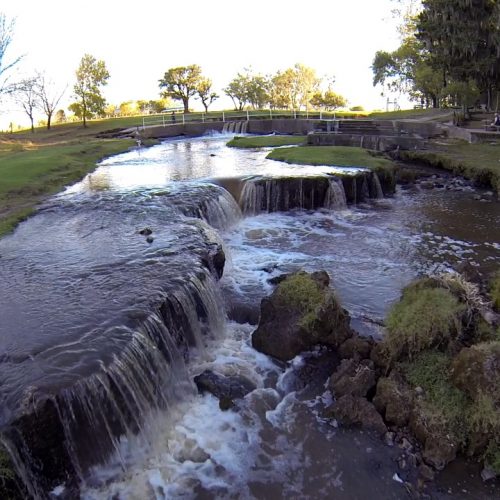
x=342, y=156
x=33, y=166
x=263, y=141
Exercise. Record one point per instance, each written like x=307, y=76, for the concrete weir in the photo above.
x=380, y=135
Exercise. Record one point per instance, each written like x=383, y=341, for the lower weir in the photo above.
x=86, y=380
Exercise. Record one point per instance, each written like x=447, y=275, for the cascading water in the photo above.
x=103, y=330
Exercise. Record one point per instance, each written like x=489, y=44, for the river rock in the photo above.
x=353, y=378
x=394, y=399
x=355, y=411
x=301, y=312
x=222, y=387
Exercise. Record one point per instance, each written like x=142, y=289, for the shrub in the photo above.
x=423, y=318
x=495, y=291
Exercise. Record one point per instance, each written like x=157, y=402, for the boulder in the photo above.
x=301, y=312
x=356, y=347
x=476, y=371
x=222, y=387
x=440, y=444
x=394, y=399
x=355, y=411
x=353, y=378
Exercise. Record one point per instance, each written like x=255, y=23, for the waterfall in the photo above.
x=244, y=127
x=379, y=193
x=86, y=422
x=335, y=196
x=361, y=141
x=282, y=194
x=225, y=127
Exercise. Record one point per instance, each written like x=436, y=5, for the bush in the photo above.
x=495, y=291
x=424, y=318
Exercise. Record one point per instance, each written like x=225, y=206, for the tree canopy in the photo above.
x=6, y=63
x=91, y=76
x=181, y=83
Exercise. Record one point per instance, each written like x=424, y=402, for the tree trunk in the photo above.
x=49, y=118
x=206, y=107
x=32, y=125
x=185, y=101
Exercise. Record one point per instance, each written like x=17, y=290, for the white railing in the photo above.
x=224, y=116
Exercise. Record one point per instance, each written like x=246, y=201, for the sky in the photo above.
x=139, y=40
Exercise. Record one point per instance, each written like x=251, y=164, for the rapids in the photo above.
x=114, y=328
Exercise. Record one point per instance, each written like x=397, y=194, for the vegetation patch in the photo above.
x=495, y=291
x=423, y=318
x=33, y=168
x=340, y=156
x=264, y=141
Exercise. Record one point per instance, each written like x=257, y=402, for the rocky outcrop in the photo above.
x=301, y=312
x=353, y=378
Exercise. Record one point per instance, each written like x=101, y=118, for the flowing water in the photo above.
x=113, y=328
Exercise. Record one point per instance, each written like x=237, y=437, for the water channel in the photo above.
x=72, y=300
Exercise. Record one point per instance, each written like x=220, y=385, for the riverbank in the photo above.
x=34, y=166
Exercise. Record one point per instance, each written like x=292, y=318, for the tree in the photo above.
x=6, y=64
x=26, y=96
x=329, y=100
x=181, y=83
x=91, y=75
x=205, y=93
x=48, y=95
x=237, y=90
x=60, y=116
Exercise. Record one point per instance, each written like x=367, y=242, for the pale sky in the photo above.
x=139, y=40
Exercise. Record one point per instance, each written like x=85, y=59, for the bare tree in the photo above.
x=6, y=64
x=26, y=96
x=49, y=96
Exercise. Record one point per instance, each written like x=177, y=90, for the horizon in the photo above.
x=134, y=52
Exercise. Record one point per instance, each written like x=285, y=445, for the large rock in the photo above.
x=355, y=411
x=356, y=347
x=301, y=312
x=440, y=444
x=353, y=378
x=223, y=387
x=476, y=371
x=394, y=399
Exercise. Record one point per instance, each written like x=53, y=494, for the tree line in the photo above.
x=449, y=55
x=295, y=88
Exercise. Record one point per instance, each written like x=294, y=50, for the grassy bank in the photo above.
x=263, y=141
x=478, y=162
x=33, y=166
x=342, y=156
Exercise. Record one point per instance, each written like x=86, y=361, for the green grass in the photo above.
x=30, y=170
x=342, y=156
x=265, y=141
x=402, y=114
x=423, y=318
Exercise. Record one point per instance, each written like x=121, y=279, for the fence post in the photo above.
x=320, y=114
x=163, y=117
x=203, y=117
x=223, y=117
x=248, y=116
x=270, y=113
x=183, y=118
x=143, y=123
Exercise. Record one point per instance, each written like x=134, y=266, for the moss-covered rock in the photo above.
x=476, y=371
x=354, y=378
x=495, y=291
x=425, y=317
x=300, y=313
x=9, y=483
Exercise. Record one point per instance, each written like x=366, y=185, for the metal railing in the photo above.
x=224, y=116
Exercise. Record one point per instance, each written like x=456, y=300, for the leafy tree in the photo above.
x=26, y=96
x=329, y=100
x=49, y=96
x=181, y=83
x=6, y=64
x=128, y=108
x=237, y=90
x=205, y=93
x=91, y=75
